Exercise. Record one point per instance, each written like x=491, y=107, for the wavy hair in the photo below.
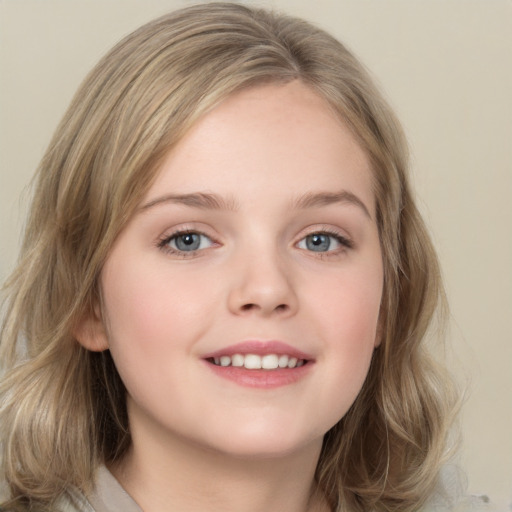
x=62, y=407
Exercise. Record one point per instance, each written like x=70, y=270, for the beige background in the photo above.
x=446, y=66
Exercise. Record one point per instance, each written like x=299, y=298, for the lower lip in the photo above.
x=264, y=379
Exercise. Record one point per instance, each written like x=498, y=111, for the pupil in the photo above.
x=188, y=242
x=188, y=239
x=318, y=242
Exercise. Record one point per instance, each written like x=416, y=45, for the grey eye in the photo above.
x=323, y=242
x=318, y=242
x=189, y=242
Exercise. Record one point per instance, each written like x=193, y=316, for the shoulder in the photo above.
x=72, y=501
x=466, y=504
x=451, y=494
x=106, y=495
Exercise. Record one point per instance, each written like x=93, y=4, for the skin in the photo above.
x=255, y=276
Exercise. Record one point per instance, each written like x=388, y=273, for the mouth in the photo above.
x=260, y=364
x=257, y=362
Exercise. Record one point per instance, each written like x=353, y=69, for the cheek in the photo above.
x=348, y=313
x=151, y=323
x=350, y=303
x=146, y=309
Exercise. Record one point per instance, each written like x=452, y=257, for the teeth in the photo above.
x=225, y=360
x=283, y=361
x=255, y=362
x=237, y=360
x=270, y=362
x=252, y=362
x=292, y=362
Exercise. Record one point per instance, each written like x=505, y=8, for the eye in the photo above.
x=186, y=241
x=323, y=242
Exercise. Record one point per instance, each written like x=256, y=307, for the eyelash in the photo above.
x=163, y=243
x=344, y=242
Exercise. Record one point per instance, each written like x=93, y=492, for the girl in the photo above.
x=224, y=287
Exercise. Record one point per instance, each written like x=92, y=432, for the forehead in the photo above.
x=284, y=137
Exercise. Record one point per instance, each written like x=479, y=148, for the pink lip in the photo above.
x=259, y=348
x=263, y=379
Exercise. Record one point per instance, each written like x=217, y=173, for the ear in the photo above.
x=378, y=337
x=90, y=331
x=379, y=332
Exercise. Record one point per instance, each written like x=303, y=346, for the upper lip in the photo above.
x=260, y=348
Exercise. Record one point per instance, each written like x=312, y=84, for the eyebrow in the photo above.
x=315, y=200
x=200, y=200
x=208, y=201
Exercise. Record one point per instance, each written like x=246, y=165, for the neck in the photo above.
x=178, y=475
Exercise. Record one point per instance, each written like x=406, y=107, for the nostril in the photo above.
x=251, y=306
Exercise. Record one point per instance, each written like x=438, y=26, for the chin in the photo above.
x=265, y=445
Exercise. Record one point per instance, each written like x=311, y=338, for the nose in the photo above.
x=262, y=285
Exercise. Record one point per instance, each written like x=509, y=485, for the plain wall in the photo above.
x=446, y=67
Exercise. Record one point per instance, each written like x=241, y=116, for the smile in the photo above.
x=260, y=364
x=257, y=362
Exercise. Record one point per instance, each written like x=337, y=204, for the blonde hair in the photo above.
x=63, y=408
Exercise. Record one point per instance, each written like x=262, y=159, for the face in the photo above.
x=241, y=301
